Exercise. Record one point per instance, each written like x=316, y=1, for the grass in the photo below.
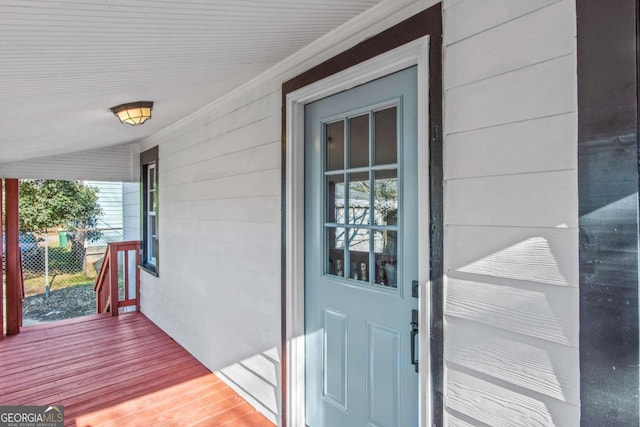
x=36, y=285
x=64, y=272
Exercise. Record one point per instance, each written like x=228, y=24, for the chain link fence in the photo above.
x=59, y=259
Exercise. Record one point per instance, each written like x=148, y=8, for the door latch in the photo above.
x=414, y=336
x=414, y=288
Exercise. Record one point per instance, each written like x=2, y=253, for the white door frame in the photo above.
x=413, y=53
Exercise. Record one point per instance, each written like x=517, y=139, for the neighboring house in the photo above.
x=109, y=225
x=111, y=222
x=514, y=138
x=131, y=210
x=110, y=201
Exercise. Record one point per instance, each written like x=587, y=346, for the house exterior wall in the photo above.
x=218, y=290
x=511, y=241
x=511, y=210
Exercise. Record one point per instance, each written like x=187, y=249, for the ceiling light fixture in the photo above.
x=133, y=113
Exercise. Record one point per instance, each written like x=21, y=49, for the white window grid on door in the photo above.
x=363, y=225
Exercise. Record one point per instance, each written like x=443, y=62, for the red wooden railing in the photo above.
x=22, y=295
x=107, y=285
x=13, y=299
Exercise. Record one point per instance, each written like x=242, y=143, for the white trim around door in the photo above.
x=413, y=53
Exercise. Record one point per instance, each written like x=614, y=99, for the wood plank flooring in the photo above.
x=121, y=371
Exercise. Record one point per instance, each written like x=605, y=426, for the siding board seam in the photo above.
x=230, y=153
x=223, y=198
x=501, y=281
x=538, y=172
x=212, y=138
x=528, y=119
x=466, y=418
x=521, y=227
x=447, y=45
x=507, y=385
x=515, y=336
x=566, y=343
x=513, y=70
x=251, y=172
x=219, y=221
x=217, y=199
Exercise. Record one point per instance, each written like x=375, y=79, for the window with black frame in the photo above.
x=149, y=180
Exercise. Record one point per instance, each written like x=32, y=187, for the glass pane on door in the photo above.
x=385, y=248
x=385, y=197
x=359, y=198
x=336, y=237
x=359, y=254
x=386, y=134
x=335, y=199
x=335, y=145
x=359, y=141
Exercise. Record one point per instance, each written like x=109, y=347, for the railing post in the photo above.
x=14, y=299
x=113, y=279
x=137, y=258
x=2, y=263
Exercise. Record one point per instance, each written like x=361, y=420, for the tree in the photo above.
x=50, y=203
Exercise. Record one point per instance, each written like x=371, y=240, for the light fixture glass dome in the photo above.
x=134, y=113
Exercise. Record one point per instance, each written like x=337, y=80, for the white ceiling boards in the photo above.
x=64, y=63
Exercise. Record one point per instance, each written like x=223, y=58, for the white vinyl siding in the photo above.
x=219, y=219
x=511, y=211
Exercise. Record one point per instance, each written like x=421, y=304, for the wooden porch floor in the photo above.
x=121, y=371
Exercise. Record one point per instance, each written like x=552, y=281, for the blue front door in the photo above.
x=361, y=247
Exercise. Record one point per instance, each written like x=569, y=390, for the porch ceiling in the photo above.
x=64, y=63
